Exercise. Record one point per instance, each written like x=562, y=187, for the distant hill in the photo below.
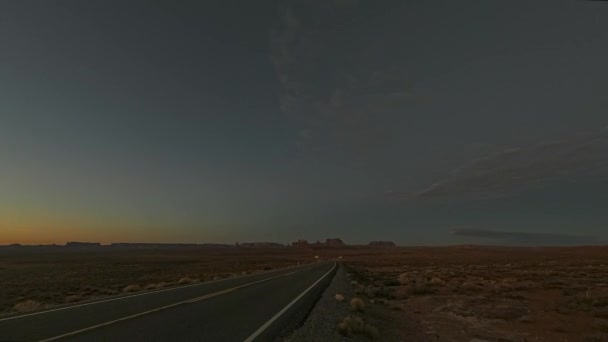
x=334, y=243
x=260, y=245
x=83, y=244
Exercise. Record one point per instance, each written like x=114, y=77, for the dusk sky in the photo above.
x=420, y=122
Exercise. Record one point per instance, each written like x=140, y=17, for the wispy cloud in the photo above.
x=335, y=80
x=525, y=238
x=515, y=170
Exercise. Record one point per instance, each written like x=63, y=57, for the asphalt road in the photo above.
x=260, y=307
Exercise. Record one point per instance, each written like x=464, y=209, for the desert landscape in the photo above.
x=458, y=293
x=476, y=293
x=34, y=278
x=187, y=170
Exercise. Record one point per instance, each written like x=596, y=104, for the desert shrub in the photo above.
x=131, y=288
x=163, y=284
x=355, y=325
x=357, y=304
x=435, y=281
x=185, y=281
x=28, y=305
x=150, y=287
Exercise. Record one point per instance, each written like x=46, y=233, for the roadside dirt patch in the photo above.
x=491, y=293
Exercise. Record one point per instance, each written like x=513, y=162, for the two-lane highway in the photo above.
x=252, y=308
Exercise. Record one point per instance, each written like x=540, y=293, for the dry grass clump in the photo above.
x=163, y=284
x=357, y=304
x=339, y=297
x=150, y=287
x=436, y=281
x=131, y=288
x=28, y=305
x=186, y=281
x=356, y=325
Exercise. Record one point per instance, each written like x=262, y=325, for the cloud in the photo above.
x=515, y=170
x=523, y=238
x=336, y=81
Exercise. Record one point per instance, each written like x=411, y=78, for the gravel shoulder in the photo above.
x=322, y=323
x=325, y=318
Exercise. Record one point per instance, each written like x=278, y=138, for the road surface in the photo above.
x=260, y=307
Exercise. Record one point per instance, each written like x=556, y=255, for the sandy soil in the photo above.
x=33, y=279
x=433, y=293
x=490, y=293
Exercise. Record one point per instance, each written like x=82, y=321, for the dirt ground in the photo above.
x=32, y=279
x=462, y=293
x=488, y=293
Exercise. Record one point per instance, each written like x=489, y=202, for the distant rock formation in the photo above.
x=167, y=245
x=334, y=243
x=300, y=244
x=328, y=243
x=384, y=244
x=260, y=245
x=147, y=245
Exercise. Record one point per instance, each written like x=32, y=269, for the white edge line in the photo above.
x=189, y=301
x=143, y=294
x=129, y=317
x=280, y=313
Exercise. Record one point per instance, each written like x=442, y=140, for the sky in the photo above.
x=420, y=122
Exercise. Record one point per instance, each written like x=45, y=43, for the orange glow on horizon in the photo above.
x=62, y=232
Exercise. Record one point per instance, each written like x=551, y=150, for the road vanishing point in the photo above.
x=257, y=307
